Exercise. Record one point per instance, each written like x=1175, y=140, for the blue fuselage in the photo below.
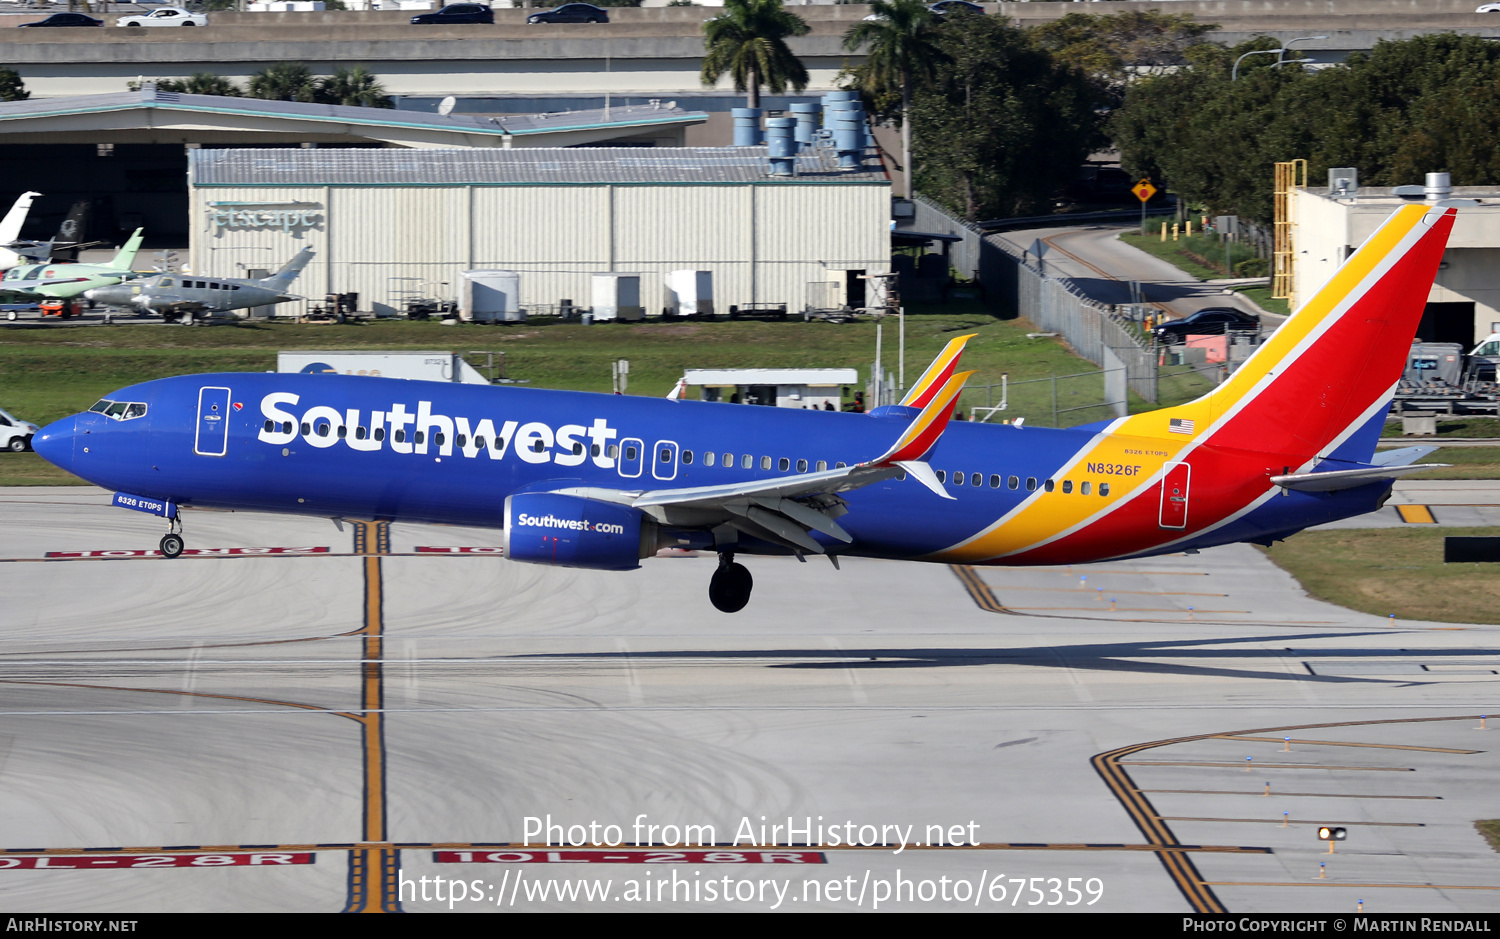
x=433, y=452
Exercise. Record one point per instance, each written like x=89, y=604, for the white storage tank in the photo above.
x=491, y=297
x=690, y=293
x=618, y=297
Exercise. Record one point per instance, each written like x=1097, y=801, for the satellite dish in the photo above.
x=446, y=106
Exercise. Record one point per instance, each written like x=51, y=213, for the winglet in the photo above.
x=924, y=431
x=936, y=377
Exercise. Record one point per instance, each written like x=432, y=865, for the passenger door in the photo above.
x=212, y=438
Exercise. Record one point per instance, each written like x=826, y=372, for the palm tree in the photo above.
x=284, y=81
x=206, y=83
x=899, y=36
x=355, y=85
x=749, y=42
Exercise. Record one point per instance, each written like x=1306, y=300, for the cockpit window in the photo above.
x=100, y=405
x=121, y=410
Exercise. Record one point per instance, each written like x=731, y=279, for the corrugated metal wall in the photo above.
x=764, y=244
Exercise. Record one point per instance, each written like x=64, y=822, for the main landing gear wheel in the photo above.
x=729, y=590
x=171, y=545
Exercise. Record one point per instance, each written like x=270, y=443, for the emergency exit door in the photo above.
x=1174, y=495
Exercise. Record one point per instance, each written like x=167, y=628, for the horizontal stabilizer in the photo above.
x=1401, y=457
x=1347, y=479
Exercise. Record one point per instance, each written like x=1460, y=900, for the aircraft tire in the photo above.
x=171, y=545
x=729, y=590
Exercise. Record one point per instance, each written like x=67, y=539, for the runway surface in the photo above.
x=372, y=725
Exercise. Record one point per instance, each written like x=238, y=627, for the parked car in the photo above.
x=15, y=435
x=66, y=19
x=1489, y=8
x=456, y=13
x=955, y=6
x=1210, y=321
x=570, y=13
x=165, y=16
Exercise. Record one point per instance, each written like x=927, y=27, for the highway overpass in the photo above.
x=641, y=54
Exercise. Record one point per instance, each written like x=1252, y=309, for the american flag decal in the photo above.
x=1178, y=425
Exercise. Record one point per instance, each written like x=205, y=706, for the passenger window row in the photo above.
x=976, y=481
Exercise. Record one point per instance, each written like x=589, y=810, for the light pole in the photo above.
x=1280, y=53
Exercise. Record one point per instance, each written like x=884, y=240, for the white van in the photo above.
x=1481, y=364
x=15, y=435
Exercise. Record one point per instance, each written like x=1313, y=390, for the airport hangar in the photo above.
x=385, y=221
x=394, y=200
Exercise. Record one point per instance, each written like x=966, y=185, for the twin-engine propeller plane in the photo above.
x=602, y=481
x=186, y=296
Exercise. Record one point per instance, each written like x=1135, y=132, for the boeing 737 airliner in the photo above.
x=602, y=481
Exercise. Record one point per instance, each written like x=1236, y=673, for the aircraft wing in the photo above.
x=785, y=510
x=28, y=288
x=175, y=303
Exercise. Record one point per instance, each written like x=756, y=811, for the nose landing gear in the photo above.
x=171, y=543
x=729, y=590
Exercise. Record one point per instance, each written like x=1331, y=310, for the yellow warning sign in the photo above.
x=1144, y=190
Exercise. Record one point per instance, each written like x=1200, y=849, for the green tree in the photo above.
x=201, y=83
x=900, y=48
x=1427, y=104
x=11, y=86
x=749, y=42
x=1004, y=126
x=354, y=86
x=1119, y=47
x=284, y=81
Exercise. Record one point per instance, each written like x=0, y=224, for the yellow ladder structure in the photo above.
x=1290, y=176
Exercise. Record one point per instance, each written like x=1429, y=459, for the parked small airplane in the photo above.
x=13, y=251
x=600, y=481
x=185, y=296
x=62, y=281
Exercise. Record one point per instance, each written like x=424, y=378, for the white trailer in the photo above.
x=418, y=366
x=617, y=297
x=491, y=297
x=690, y=293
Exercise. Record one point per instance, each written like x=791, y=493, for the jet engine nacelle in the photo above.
x=568, y=531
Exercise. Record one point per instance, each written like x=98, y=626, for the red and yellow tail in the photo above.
x=1339, y=356
x=1328, y=371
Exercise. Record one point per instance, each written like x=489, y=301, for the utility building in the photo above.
x=388, y=222
x=1464, y=303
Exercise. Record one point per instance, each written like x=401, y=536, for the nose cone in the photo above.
x=54, y=443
